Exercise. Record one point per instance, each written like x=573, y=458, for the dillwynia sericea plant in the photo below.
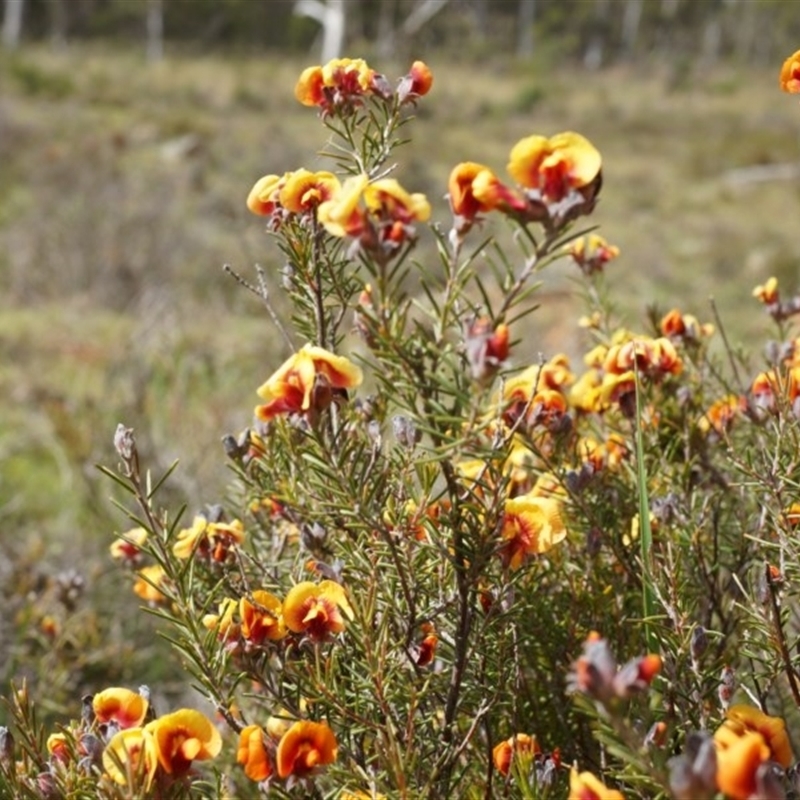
x=441, y=573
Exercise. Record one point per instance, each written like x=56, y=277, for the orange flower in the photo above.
x=554, y=166
x=742, y=719
x=503, y=753
x=790, y=74
x=316, y=609
x=737, y=764
x=304, y=383
x=261, y=619
x=422, y=78
x=303, y=190
x=128, y=709
x=182, y=737
x=531, y=526
x=310, y=87
x=304, y=747
x=683, y=326
x=149, y=582
x=252, y=754
x=130, y=757
x=585, y=786
x=721, y=414
x=417, y=83
x=463, y=201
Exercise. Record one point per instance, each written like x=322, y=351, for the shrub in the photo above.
x=438, y=576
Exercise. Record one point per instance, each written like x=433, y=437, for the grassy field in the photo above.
x=123, y=196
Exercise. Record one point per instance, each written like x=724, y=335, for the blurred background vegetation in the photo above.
x=130, y=134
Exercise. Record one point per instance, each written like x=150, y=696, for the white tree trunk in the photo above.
x=386, y=29
x=12, y=22
x=630, y=25
x=595, y=50
x=423, y=12
x=58, y=23
x=155, y=30
x=331, y=16
x=527, y=16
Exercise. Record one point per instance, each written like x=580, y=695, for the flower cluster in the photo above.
x=341, y=86
x=558, y=179
x=313, y=610
x=292, y=751
x=120, y=736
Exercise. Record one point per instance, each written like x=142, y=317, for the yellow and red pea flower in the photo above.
x=316, y=610
x=128, y=546
x=182, y=737
x=124, y=707
x=261, y=618
x=556, y=166
x=303, y=191
x=768, y=293
x=305, y=747
x=253, y=755
x=652, y=357
x=592, y=252
x=130, y=757
x=58, y=746
x=264, y=197
x=585, y=786
x=339, y=85
x=790, y=74
x=386, y=220
x=554, y=375
x=489, y=190
x=531, y=525
x=208, y=539
x=463, y=201
x=304, y=383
